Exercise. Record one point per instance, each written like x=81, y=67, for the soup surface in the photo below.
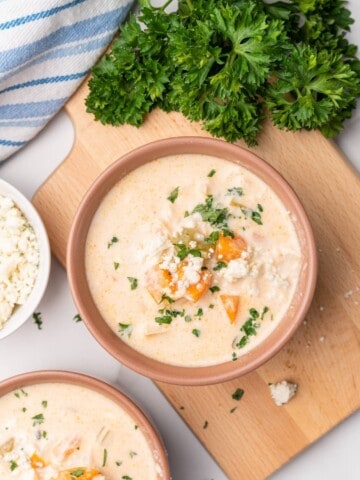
x=192, y=260
x=66, y=432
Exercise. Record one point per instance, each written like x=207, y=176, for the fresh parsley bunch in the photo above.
x=226, y=62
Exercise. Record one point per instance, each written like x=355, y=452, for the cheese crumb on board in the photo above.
x=282, y=392
x=19, y=258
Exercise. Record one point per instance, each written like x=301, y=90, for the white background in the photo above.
x=64, y=344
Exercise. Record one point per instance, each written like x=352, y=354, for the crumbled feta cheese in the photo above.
x=235, y=270
x=348, y=294
x=272, y=275
x=191, y=221
x=191, y=270
x=19, y=258
x=156, y=243
x=282, y=392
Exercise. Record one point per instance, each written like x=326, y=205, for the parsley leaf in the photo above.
x=173, y=195
x=112, y=242
x=196, y=332
x=37, y=320
x=38, y=419
x=77, y=473
x=238, y=394
x=211, y=173
x=167, y=316
x=235, y=191
x=219, y=266
x=214, y=289
x=133, y=283
x=125, y=329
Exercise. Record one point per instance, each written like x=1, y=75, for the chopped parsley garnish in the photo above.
x=37, y=320
x=136, y=427
x=133, y=283
x=116, y=265
x=249, y=328
x=38, y=419
x=173, y=195
x=23, y=392
x=17, y=394
x=105, y=455
x=77, y=318
x=118, y=463
x=24, y=409
x=196, y=332
x=237, y=395
x=13, y=465
x=214, y=289
x=211, y=305
x=181, y=408
x=77, y=473
x=236, y=191
x=44, y=434
x=219, y=266
x=233, y=409
x=213, y=237
x=264, y=312
x=125, y=329
x=112, y=242
x=184, y=251
x=132, y=454
x=256, y=217
x=234, y=357
x=126, y=477
x=164, y=320
x=199, y=313
x=254, y=313
x=167, y=316
x=167, y=298
x=188, y=318
x=206, y=424
x=44, y=403
x=216, y=216
x=211, y=173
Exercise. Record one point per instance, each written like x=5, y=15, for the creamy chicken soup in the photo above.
x=66, y=432
x=192, y=260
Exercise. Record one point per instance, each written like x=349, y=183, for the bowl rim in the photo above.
x=110, y=341
x=24, y=312
x=149, y=429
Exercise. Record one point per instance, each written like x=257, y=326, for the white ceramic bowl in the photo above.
x=23, y=312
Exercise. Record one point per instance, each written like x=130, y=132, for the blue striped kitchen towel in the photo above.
x=46, y=49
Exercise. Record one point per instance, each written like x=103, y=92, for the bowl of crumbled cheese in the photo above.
x=24, y=259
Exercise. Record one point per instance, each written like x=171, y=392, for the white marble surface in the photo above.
x=64, y=344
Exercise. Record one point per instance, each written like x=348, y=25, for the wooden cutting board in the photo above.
x=323, y=357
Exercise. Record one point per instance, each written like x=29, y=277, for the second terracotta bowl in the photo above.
x=64, y=377
x=134, y=359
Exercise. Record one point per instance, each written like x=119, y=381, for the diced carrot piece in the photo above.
x=195, y=291
x=228, y=248
x=36, y=461
x=231, y=305
x=157, y=280
x=81, y=474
